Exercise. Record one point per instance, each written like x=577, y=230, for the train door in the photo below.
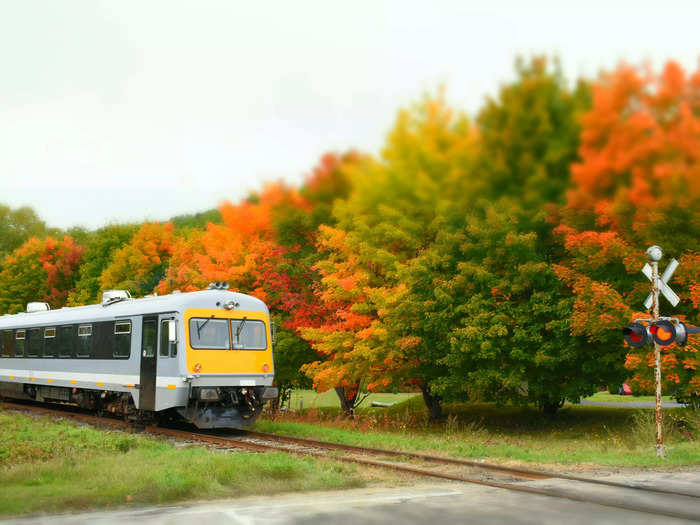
x=149, y=361
x=167, y=347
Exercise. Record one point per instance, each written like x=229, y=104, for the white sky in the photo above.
x=133, y=110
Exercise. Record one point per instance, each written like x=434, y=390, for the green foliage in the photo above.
x=197, y=221
x=101, y=248
x=291, y=352
x=510, y=338
x=529, y=135
x=17, y=226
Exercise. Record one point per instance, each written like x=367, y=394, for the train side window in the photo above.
x=50, y=342
x=65, y=341
x=84, y=340
x=149, y=338
x=34, y=342
x=7, y=348
x=2, y=345
x=167, y=348
x=122, y=339
x=19, y=342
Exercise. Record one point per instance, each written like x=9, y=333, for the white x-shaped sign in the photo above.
x=663, y=284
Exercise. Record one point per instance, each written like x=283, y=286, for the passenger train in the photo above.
x=204, y=357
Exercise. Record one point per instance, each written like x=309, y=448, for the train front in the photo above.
x=229, y=361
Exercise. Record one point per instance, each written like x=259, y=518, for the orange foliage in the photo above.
x=636, y=184
x=40, y=270
x=639, y=148
x=139, y=265
x=244, y=251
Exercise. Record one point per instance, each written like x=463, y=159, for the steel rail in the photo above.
x=514, y=471
x=231, y=442
x=239, y=443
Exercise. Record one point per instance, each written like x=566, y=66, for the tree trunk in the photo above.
x=549, y=407
x=275, y=405
x=347, y=405
x=433, y=402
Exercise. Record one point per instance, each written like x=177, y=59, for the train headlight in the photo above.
x=266, y=368
x=208, y=394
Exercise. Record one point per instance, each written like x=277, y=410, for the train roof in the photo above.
x=176, y=302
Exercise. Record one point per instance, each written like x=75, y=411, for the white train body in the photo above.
x=204, y=356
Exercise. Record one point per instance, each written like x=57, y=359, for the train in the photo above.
x=203, y=357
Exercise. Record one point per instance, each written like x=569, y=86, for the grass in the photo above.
x=614, y=398
x=49, y=465
x=304, y=399
x=591, y=435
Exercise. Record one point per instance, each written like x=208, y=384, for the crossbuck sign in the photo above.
x=664, y=288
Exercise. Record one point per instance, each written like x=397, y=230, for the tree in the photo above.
x=17, y=226
x=402, y=223
x=529, y=135
x=101, y=248
x=636, y=185
x=40, y=270
x=511, y=340
x=196, y=220
x=388, y=217
x=140, y=265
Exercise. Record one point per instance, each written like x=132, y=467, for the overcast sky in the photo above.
x=133, y=110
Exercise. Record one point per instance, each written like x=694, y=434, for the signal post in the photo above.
x=652, y=254
x=659, y=331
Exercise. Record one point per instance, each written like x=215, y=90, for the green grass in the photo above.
x=49, y=466
x=614, y=398
x=309, y=399
x=578, y=435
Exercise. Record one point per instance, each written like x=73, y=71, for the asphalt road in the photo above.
x=435, y=504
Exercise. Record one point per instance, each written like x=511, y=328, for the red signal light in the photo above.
x=635, y=338
x=636, y=334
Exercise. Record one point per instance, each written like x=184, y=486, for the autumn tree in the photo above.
x=101, y=248
x=141, y=264
x=388, y=217
x=42, y=270
x=636, y=185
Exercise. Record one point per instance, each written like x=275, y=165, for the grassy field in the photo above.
x=308, y=399
x=579, y=434
x=49, y=465
x=614, y=398
x=304, y=399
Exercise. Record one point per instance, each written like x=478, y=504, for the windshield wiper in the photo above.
x=239, y=329
x=200, y=326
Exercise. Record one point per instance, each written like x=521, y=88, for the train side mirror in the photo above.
x=274, y=333
x=172, y=333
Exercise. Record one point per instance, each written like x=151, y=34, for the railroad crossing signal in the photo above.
x=658, y=329
x=664, y=288
x=663, y=332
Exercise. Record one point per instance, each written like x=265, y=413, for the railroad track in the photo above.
x=479, y=473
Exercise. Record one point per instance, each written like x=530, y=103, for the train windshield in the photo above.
x=248, y=335
x=211, y=334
